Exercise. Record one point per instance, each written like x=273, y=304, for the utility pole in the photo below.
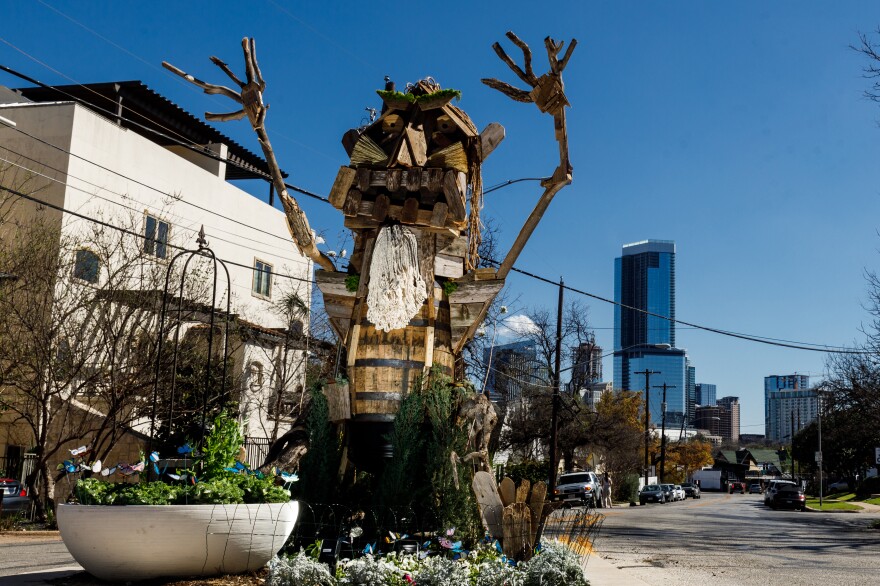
x=557, y=381
x=819, y=407
x=664, y=386
x=647, y=374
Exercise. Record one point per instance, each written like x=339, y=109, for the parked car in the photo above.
x=652, y=493
x=691, y=490
x=839, y=486
x=679, y=493
x=669, y=492
x=736, y=486
x=755, y=488
x=773, y=486
x=578, y=488
x=15, y=498
x=789, y=496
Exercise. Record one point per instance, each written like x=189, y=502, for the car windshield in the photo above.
x=667, y=486
x=652, y=487
x=573, y=478
x=686, y=485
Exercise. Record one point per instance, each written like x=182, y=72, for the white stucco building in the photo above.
x=129, y=171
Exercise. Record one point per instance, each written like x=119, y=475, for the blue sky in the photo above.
x=737, y=129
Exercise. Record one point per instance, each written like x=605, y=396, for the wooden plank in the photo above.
x=454, y=195
x=434, y=179
x=523, y=490
x=517, y=528
x=536, y=506
x=339, y=191
x=457, y=247
x=412, y=179
x=392, y=124
x=359, y=309
x=451, y=267
x=363, y=178
x=507, y=490
x=439, y=214
x=476, y=291
x=332, y=283
x=490, y=138
x=456, y=118
x=380, y=207
x=410, y=210
x=418, y=146
x=484, y=274
x=393, y=178
x=352, y=203
x=491, y=509
x=463, y=314
x=338, y=402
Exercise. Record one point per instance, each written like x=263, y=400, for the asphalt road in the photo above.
x=23, y=552
x=734, y=539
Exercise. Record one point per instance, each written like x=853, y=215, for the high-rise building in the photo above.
x=709, y=419
x=789, y=405
x=513, y=368
x=586, y=360
x=705, y=394
x=644, y=333
x=691, y=391
x=731, y=426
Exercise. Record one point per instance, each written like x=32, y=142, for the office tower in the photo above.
x=644, y=288
x=731, y=405
x=586, y=360
x=706, y=394
x=789, y=405
x=691, y=388
x=514, y=368
x=709, y=419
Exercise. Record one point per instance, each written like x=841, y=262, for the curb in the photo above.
x=40, y=533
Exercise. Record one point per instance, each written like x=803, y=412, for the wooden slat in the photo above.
x=434, y=179
x=393, y=178
x=418, y=146
x=439, y=214
x=507, y=490
x=352, y=203
x=457, y=247
x=410, y=213
x=412, y=179
x=338, y=402
x=491, y=509
x=341, y=185
x=448, y=266
x=536, y=506
x=490, y=138
x=454, y=194
x=380, y=207
x=523, y=490
x=332, y=283
x=363, y=178
x=476, y=291
x=463, y=314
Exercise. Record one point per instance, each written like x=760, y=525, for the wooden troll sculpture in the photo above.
x=411, y=194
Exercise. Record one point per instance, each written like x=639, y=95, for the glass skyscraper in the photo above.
x=644, y=281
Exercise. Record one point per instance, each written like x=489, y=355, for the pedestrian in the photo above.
x=606, y=491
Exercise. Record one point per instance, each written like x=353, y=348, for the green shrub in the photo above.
x=530, y=470
x=298, y=570
x=628, y=488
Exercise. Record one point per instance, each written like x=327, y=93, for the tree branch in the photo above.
x=208, y=87
x=225, y=68
x=508, y=90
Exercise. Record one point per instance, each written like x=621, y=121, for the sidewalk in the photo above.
x=601, y=572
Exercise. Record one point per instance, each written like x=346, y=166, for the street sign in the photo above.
x=819, y=457
x=877, y=455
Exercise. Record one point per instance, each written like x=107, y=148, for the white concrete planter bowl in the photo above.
x=117, y=543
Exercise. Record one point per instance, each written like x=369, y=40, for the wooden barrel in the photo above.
x=387, y=364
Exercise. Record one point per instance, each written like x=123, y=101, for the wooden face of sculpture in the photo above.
x=412, y=165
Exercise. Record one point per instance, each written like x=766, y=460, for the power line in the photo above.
x=201, y=150
x=122, y=205
x=131, y=232
x=769, y=341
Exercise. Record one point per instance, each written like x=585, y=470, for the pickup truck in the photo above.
x=578, y=488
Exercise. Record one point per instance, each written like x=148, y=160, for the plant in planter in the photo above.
x=215, y=517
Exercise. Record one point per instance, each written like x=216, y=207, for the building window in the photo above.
x=156, y=237
x=86, y=266
x=256, y=376
x=262, y=279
